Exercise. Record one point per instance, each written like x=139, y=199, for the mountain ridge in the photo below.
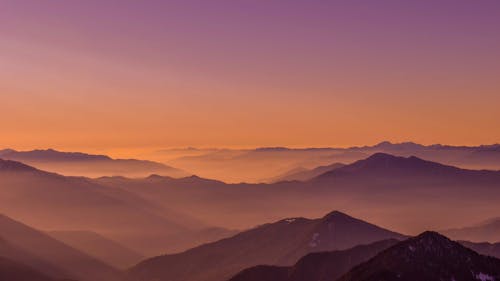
x=428, y=256
x=281, y=243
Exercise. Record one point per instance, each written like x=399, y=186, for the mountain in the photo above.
x=36, y=249
x=394, y=184
x=14, y=166
x=486, y=231
x=320, y=266
x=82, y=164
x=98, y=246
x=429, y=256
x=50, y=201
x=303, y=174
x=380, y=165
x=279, y=243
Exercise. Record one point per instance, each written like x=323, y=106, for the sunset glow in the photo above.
x=121, y=76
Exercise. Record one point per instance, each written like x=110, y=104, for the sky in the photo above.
x=123, y=75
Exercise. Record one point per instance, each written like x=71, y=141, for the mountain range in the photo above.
x=428, y=256
x=185, y=212
x=264, y=164
x=279, y=243
x=51, y=201
x=89, y=165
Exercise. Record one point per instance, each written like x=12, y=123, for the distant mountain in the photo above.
x=390, y=168
x=279, y=243
x=36, y=249
x=82, y=164
x=303, y=174
x=320, y=266
x=485, y=231
x=100, y=247
x=429, y=256
x=254, y=165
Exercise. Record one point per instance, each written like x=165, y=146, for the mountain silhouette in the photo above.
x=279, y=243
x=383, y=165
x=322, y=266
x=14, y=166
x=429, y=256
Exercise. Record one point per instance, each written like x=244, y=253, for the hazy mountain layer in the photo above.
x=51, y=256
x=90, y=165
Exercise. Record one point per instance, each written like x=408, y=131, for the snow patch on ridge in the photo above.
x=314, y=240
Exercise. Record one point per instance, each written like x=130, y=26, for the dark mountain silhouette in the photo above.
x=82, y=164
x=100, y=247
x=38, y=250
x=279, y=243
x=382, y=165
x=486, y=231
x=302, y=174
x=472, y=157
x=429, y=256
x=14, y=166
x=322, y=266
x=69, y=203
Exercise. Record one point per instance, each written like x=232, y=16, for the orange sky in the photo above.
x=104, y=78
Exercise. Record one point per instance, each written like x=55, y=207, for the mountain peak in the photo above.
x=429, y=238
x=398, y=146
x=337, y=215
x=431, y=244
x=381, y=164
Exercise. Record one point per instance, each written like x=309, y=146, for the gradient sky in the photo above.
x=103, y=75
